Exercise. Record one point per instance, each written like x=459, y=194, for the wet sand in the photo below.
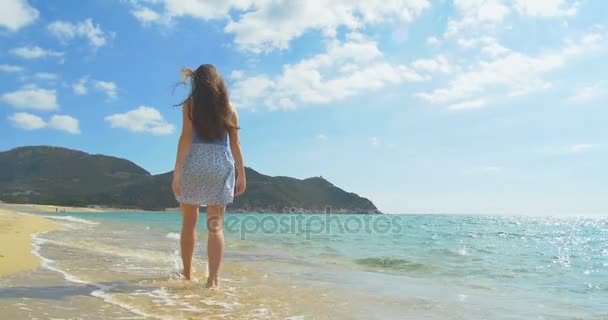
x=16, y=245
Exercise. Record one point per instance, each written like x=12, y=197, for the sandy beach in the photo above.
x=16, y=232
x=49, y=208
x=124, y=265
x=16, y=240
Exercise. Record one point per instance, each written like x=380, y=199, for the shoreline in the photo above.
x=16, y=240
x=126, y=268
x=41, y=208
x=37, y=208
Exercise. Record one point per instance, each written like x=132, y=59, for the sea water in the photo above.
x=296, y=266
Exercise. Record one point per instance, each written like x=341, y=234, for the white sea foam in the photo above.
x=108, y=298
x=261, y=312
x=99, y=248
x=226, y=305
x=163, y=297
x=50, y=264
x=69, y=219
x=173, y=235
x=102, y=289
x=463, y=251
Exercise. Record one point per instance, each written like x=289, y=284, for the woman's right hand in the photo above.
x=241, y=185
x=176, y=184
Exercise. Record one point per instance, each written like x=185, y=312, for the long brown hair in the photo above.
x=208, y=104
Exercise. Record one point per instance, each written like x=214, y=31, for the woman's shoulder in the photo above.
x=232, y=114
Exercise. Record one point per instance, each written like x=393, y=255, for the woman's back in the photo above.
x=197, y=139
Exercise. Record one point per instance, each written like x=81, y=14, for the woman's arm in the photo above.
x=235, y=147
x=183, y=147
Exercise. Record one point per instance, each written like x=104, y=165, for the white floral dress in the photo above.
x=208, y=175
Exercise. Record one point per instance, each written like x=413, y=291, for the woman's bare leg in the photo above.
x=188, y=236
x=215, y=243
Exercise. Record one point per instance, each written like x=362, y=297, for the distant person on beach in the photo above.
x=205, y=167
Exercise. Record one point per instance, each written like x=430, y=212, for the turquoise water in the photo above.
x=389, y=266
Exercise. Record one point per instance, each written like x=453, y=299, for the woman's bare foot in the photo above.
x=188, y=277
x=213, y=282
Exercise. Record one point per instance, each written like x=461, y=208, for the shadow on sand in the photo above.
x=66, y=291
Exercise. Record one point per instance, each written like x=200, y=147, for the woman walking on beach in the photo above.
x=205, y=168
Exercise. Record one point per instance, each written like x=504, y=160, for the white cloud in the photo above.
x=34, y=52
x=236, y=74
x=476, y=14
x=263, y=26
x=142, y=119
x=466, y=42
x=468, y=105
x=66, y=31
x=64, y=123
x=374, y=141
x=589, y=92
x=272, y=25
x=251, y=88
x=484, y=170
x=31, y=97
x=346, y=68
x=581, y=147
x=513, y=74
x=27, y=121
x=321, y=137
x=578, y=148
x=201, y=9
x=80, y=87
x=494, y=49
x=10, y=68
x=546, y=8
x=16, y=14
x=437, y=64
x=432, y=41
x=46, y=76
x=108, y=87
x=490, y=169
x=489, y=45
x=146, y=16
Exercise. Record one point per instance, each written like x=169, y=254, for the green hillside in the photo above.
x=59, y=176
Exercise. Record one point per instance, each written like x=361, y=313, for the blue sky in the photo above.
x=463, y=106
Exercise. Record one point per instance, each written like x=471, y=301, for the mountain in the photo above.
x=59, y=176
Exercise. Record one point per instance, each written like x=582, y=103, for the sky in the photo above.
x=453, y=106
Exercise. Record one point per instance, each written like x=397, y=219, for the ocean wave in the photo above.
x=173, y=235
x=101, y=291
x=50, y=264
x=395, y=264
x=144, y=255
x=455, y=253
x=70, y=219
x=229, y=306
x=462, y=251
x=108, y=298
